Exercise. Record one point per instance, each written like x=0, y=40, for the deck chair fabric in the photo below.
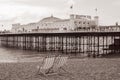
x=47, y=64
x=58, y=65
x=60, y=61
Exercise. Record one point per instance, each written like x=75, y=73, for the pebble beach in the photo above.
x=79, y=69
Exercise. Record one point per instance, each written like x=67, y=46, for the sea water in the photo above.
x=16, y=55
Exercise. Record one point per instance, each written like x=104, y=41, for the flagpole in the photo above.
x=96, y=16
x=71, y=9
x=96, y=11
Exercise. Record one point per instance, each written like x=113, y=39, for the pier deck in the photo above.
x=90, y=43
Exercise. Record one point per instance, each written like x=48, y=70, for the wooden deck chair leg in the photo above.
x=38, y=72
x=64, y=70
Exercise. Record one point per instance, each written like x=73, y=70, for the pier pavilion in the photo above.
x=90, y=43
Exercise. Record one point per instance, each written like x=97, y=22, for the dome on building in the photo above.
x=50, y=19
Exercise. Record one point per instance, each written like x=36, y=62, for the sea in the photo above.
x=17, y=55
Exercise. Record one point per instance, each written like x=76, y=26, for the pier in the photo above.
x=90, y=43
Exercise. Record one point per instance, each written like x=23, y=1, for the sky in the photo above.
x=27, y=11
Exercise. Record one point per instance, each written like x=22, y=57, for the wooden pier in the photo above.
x=90, y=43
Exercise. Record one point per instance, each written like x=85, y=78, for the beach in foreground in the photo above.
x=81, y=69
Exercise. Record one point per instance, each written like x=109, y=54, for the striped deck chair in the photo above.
x=46, y=65
x=53, y=65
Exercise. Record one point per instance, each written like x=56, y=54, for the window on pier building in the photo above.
x=23, y=29
x=75, y=22
x=79, y=22
x=84, y=22
x=64, y=28
x=37, y=27
x=79, y=27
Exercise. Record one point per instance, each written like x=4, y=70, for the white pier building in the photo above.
x=52, y=24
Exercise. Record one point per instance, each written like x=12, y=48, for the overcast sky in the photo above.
x=26, y=11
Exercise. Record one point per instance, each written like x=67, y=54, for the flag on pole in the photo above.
x=71, y=7
x=96, y=9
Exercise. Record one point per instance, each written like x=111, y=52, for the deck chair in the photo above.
x=46, y=65
x=52, y=65
x=58, y=64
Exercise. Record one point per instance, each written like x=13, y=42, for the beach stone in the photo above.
x=25, y=70
x=4, y=71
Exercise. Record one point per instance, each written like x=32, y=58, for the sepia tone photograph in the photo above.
x=59, y=40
